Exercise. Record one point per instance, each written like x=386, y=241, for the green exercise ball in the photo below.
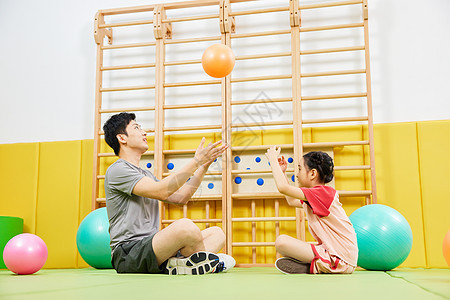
x=384, y=237
x=93, y=239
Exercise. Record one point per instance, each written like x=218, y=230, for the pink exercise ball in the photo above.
x=25, y=254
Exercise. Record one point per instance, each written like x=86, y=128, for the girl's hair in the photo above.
x=322, y=162
x=117, y=124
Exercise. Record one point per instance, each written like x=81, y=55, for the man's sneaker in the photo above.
x=288, y=265
x=198, y=263
x=226, y=262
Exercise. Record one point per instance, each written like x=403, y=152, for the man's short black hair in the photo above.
x=117, y=124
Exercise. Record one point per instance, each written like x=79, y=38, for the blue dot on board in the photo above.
x=248, y=168
x=258, y=159
x=260, y=181
x=290, y=160
x=170, y=166
x=237, y=159
x=238, y=180
x=293, y=178
x=215, y=160
x=210, y=186
x=149, y=165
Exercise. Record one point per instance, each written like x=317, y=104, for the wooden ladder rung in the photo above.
x=182, y=62
x=345, y=168
x=106, y=154
x=206, y=197
x=258, y=196
x=263, y=219
x=335, y=144
x=259, y=147
x=195, y=105
x=101, y=200
x=259, y=78
x=268, y=55
x=333, y=120
x=115, y=110
x=128, y=88
x=194, y=18
x=256, y=101
x=181, y=41
x=331, y=27
x=120, y=24
x=192, y=83
x=255, y=34
x=330, y=4
x=259, y=11
x=331, y=50
x=333, y=73
x=253, y=244
x=335, y=96
x=254, y=171
x=181, y=151
x=126, y=67
x=122, y=46
x=187, y=128
x=354, y=193
x=274, y=123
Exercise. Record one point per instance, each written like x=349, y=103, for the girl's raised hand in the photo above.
x=283, y=163
x=273, y=153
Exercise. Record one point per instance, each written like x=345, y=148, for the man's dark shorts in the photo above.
x=135, y=257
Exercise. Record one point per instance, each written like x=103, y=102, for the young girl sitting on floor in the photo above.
x=337, y=250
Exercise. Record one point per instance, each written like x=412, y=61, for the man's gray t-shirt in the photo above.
x=131, y=217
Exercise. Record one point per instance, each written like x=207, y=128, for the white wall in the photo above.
x=47, y=66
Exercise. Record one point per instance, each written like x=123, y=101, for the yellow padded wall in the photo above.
x=18, y=182
x=85, y=203
x=434, y=162
x=58, y=201
x=398, y=182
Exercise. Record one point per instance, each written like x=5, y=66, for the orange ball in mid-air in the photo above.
x=218, y=60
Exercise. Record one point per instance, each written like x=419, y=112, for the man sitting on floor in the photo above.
x=132, y=195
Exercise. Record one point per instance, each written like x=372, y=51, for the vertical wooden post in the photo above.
x=227, y=200
x=296, y=103
x=369, y=102
x=99, y=36
x=253, y=231
x=159, y=32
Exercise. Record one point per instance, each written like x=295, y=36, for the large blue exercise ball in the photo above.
x=93, y=239
x=384, y=237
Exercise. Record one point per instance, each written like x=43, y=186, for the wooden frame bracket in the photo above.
x=294, y=13
x=365, y=10
x=161, y=30
x=227, y=22
x=100, y=33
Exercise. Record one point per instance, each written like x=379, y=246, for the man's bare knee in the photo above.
x=188, y=231
x=219, y=234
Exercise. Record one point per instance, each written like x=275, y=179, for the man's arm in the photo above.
x=163, y=189
x=184, y=194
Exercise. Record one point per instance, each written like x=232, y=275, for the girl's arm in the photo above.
x=294, y=193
